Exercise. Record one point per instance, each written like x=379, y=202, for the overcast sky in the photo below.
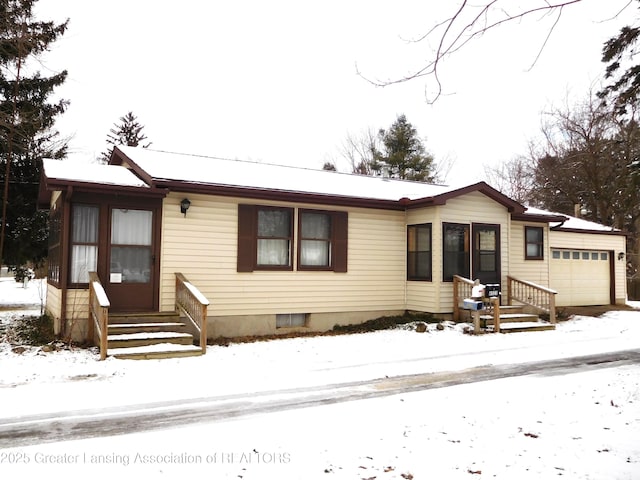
x=277, y=81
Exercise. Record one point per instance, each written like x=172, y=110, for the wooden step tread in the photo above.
x=511, y=316
x=510, y=327
x=160, y=350
x=167, y=325
x=147, y=335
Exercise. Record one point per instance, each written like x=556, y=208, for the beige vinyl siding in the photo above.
x=536, y=271
x=54, y=306
x=203, y=246
x=474, y=207
x=423, y=296
x=596, y=242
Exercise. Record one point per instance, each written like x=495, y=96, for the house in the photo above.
x=278, y=249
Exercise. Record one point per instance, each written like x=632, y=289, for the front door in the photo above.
x=486, y=253
x=131, y=278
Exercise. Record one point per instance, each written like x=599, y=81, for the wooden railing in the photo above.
x=98, y=313
x=461, y=290
x=536, y=296
x=193, y=305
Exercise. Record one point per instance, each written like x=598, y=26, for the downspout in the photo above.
x=405, y=202
x=406, y=246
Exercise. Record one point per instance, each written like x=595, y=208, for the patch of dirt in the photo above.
x=564, y=313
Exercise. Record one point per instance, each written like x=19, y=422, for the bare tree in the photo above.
x=513, y=178
x=359, y=150
x=470, y=21
x=586, y=160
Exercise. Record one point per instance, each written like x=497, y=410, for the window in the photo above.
x=455, y=250
x=555, y=254
x=534, y=243
x=84, y=242
x=131, y=245
x=274, y=237
x=315, y=240
x=604, y=256
x=419, y=252
x=54, y=256
x=284, y=320
x=266, y=239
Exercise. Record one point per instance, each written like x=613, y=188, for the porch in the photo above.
x=522, y=297
x=149, y=335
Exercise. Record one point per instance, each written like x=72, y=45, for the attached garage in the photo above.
x=582, y=277
x=587, y=263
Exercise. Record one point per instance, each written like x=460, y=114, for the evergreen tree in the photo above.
x=27, y=117
x=622, y=70
x=403, y=154
x=128, y=132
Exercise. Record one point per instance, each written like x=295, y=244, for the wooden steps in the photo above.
x=514, y=320
x=149, y=336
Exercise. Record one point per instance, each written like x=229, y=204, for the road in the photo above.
x=89, y=423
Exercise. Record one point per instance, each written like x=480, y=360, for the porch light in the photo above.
x=184, y=206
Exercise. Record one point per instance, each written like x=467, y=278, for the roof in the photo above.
x=65, y=171
x=224, y=176
x=138, y=171
x=89, y=177
x=569, y=223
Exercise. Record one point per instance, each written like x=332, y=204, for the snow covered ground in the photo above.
x=581, y=425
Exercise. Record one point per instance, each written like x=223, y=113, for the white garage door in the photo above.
x=580, y=277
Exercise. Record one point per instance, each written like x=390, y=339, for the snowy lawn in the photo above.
x=583, y=425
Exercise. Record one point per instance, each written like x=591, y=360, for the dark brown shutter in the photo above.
x=246, y=238
x=340, y=236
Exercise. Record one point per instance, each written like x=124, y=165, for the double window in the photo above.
x=419, y=252
x=266, y=239
x=534, y=243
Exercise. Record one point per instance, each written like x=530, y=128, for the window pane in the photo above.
x=487, y=240
x=534, y=234
x=534, y=250
x=566, y=255
x=585, y=255
x=134, y=263
x=575, y=255
x=314, y=253
x=315, y=225
x=84, y=259
x=604, y=256
x=594, y=255
x=419, y=265
x=488, y=262
x=290, y=320
x=423, y=239
x=273, y=252
x=131, y=227
x=274, y=223
x=85, y=224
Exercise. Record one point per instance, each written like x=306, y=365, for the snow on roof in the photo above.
x=91, y=173
x=204, y=170
x=573, y=223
